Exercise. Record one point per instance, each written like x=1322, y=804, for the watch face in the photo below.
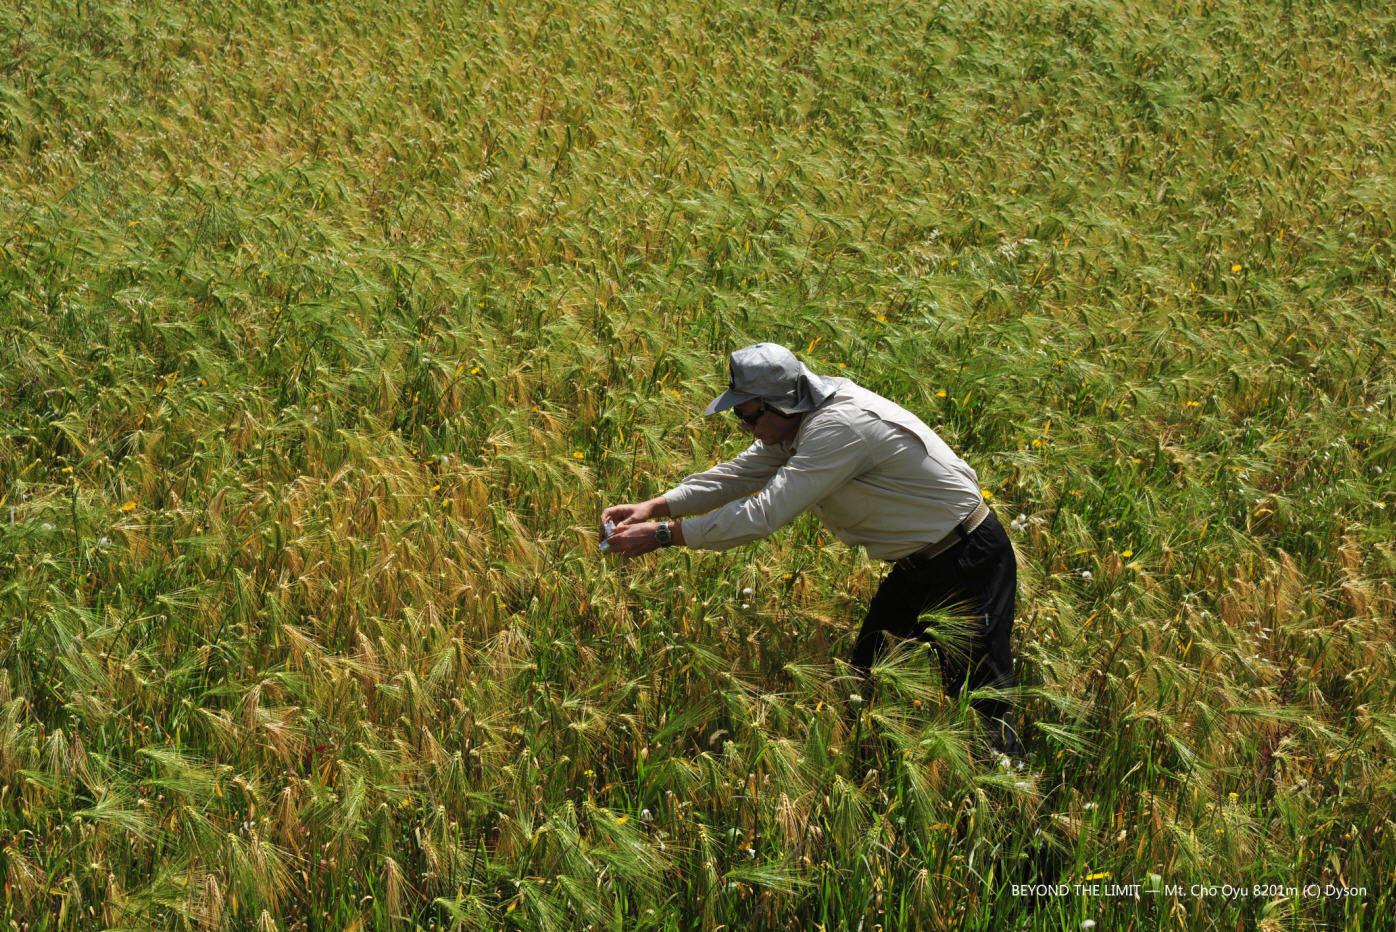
x=663, y=535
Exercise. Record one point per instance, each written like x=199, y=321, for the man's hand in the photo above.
x=634, y=533
x=633, y=540
x=623, y=515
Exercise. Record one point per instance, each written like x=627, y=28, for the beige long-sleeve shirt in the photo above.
x=870, y=470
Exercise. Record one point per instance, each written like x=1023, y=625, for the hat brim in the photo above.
x=728, y=399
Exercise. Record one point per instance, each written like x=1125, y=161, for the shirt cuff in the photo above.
x=678, y=501
x=695, y=532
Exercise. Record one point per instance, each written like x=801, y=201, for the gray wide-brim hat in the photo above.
x=770, y=373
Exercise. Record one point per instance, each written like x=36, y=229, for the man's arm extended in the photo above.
x=830, y=455
x=745, y=474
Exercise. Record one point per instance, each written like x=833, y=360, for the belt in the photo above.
x=960, y=533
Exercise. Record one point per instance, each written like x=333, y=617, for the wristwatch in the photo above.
x=663, y=534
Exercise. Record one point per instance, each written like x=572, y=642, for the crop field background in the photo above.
x=327, y=330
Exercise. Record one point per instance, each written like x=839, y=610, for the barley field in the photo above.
x=328, y=329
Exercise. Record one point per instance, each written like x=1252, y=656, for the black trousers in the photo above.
x=977, y=581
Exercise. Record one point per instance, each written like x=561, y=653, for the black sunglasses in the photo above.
x=750, y=419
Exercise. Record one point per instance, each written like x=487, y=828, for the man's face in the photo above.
x=771, y=426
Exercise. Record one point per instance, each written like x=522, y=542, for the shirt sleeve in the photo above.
x=743, y=475
x=829, y=455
